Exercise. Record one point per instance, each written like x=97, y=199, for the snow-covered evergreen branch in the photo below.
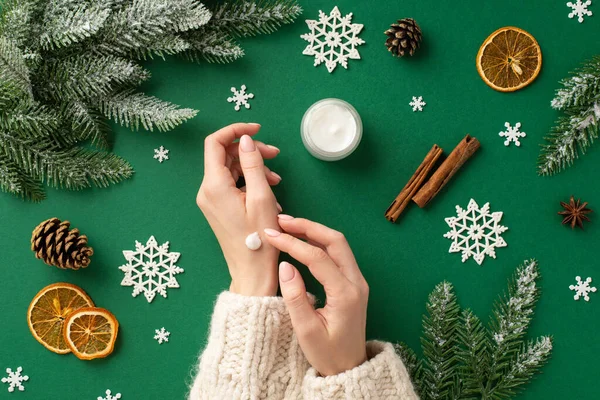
x=574, y=133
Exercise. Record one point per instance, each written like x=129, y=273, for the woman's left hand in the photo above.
x=233, y=214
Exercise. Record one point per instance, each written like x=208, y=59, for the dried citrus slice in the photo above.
x=509, y=59
x=91, y=332
x=49, y=309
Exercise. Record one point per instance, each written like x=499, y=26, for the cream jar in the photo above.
x=331, y=129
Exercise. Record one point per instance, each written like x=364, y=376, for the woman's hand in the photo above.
x=235, y=213
x=332, y=337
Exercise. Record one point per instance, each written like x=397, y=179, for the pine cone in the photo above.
x=404, y=37
x=52, y=242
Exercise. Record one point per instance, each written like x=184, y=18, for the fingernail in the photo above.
x=286, y=272
x=279, y=207
x=274, y=148
x=247, y=144
x=276, y=175
x=253, y=124
x=285, y=217
x=272, y=232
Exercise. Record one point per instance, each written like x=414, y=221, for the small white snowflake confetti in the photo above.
x=582, y=288
x=475, y=232
x=580, y=9
x=161, y=154
x=162, y=335
x=333, y=39
x=109, y=396
x=150, y=269
x=240, y=97
x=15, y=379
x=417, y=103
x=512, y=134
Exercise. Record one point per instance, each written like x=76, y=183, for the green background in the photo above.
x=401, y=262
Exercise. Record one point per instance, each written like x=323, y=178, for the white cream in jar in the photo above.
x=331, y=129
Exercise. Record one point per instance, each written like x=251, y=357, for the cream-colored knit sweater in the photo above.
x=252, y=353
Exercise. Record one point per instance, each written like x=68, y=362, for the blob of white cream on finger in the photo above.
x=253, y=241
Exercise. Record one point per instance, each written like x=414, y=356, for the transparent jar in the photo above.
x=331, y=129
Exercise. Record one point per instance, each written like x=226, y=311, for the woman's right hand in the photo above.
x=333, y=338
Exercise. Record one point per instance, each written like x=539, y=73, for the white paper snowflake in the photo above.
x=240, y=97
x=417, y=103
x=580, y=9
x=15, y=379
x=162, y=335
x=109, y=396
x=512, y=134
x=582, y=288
x=333, y=39
x=150, y=269
x=475, y=232
x=161, y=154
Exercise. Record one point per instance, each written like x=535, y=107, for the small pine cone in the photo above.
x=404, y=37
x=52, y=242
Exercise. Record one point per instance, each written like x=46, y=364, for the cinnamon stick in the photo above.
x=461, y=153
x=413, y=185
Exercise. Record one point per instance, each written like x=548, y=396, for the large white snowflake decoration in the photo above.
x=162, y=335
x=417, y=103
x=15, y=379
x=512, y=134
x=150, y=269
x=240, y=97
x=161, y=154
x=583, y=288
x=333, y=39
x=580, y=9
x=475, y=232
x=109, y=396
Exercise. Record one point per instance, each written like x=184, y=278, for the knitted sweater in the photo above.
x=252, y=353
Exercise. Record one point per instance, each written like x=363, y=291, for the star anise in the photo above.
x=575, y=212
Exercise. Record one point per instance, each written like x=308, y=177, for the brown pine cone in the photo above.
x=404, y=37
x=52, y=242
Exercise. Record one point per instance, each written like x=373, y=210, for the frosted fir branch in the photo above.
x=245, y=18
x=439, y=340
x=13, y=69
x=582, y=89
x=134, y=109
x=212, y=46
x=88, y=76
x=73, y=168
x=571, y=136
x=18, y=20
x=473, y=353
x=413, y=365
x=530, y=359
x=13, y=181
x=189, y=15
x=169, y=44
x=87, y=123
x=27, y=120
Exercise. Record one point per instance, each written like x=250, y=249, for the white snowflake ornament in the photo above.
x=150, y=269
x=582, y=288
x=333, y=39
x=15, y=379
x=162, y=335
x=417, y=103
x=512, y=134
x=240, y=97
x=109, y=396
x=580, y=9
x=475, y=232
x=161, y=154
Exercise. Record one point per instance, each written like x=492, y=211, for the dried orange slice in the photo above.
x=509, y=59
x=91, y=332
x=48, y=311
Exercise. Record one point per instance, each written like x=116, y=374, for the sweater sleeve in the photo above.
x=382, y=377
x=251, y=353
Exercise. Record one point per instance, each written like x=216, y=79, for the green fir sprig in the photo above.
x=464, y=360
x=67, y=67
x=574, y=133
